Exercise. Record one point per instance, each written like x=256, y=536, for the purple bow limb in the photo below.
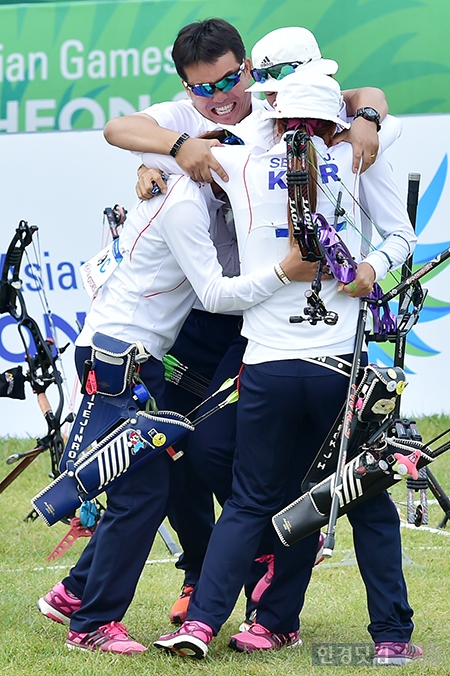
x=338, y=257
x=384, y=322
x=389, y=321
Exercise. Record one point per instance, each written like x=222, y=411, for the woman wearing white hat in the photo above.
x=293, y=49
x=289, y=399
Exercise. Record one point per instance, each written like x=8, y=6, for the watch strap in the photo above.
x=178, y=143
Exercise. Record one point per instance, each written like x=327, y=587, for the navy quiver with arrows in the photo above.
x=111, y=435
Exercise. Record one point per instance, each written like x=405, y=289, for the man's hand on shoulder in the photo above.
x=148, y=179
x=363, y=136
x=196, y=160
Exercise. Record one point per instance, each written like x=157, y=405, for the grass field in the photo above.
x=335, y=611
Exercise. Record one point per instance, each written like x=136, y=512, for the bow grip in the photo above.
x=44, y=404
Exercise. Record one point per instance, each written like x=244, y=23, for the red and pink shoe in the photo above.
x=397, y=654
x=110, y=638
x=260, y=638
x=59, y=604
x=180, y=608
x=190, y=640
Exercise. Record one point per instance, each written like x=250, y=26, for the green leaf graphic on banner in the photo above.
x=103, y=22
x=92, y=94
x=423, y=107
x=388, y=72
x=12, y=92
x=146, y=23
x=268, y=9
x=345, y=16
x=61, y=12
x=400, y=47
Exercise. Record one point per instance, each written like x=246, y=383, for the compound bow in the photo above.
x=41, y=356
x=319, y=241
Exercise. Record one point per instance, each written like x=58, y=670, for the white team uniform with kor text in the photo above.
x=258, y=194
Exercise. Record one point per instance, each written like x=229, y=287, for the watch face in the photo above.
x=370, y=113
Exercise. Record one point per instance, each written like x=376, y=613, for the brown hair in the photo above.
x=320, y=130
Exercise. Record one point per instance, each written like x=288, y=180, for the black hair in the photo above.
x=205, y=42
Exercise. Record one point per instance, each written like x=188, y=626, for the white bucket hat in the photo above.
x=306, y=94
x=288, y=45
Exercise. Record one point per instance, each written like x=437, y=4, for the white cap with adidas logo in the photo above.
x=288, y=45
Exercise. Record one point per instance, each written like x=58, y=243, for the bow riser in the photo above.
x=318, y=240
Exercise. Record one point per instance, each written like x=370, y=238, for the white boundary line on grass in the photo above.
x=437, y=531
x=174, y=559
x=39, y=569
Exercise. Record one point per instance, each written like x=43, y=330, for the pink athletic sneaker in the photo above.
x=190, y=640
x=59, y=604
x=260, y=638
x=398, y=654
x=110, y=638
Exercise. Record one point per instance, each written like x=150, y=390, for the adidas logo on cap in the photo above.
x=266, y=62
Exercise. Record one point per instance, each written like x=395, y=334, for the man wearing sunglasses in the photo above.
x=210, y=59
x=227, y=83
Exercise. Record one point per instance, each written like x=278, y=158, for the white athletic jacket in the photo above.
x=168, y=259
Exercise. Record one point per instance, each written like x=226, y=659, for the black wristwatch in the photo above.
x=369, y=114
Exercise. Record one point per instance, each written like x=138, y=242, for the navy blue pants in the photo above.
x=109, y=568
x=211, y=345
x=284, y=413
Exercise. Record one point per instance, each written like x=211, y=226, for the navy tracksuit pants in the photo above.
x=109, y=568
x=284, y=413
x=211, y=345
